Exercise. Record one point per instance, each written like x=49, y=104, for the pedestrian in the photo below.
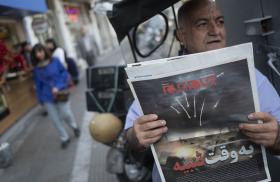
x=56, y=51
x=51, y=78
x=201, y=28
x=87, y=47
x=26, y=49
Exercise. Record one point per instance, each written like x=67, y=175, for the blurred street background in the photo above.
x=24, y=125
x=81, y=28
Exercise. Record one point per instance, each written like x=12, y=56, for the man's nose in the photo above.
x=213, y=28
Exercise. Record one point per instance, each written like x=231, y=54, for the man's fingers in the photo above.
x=150, y=141
x=155, y=132
x=258, y=136
x=148, y=136
x=146, y=118
x=270, y=124
x=148, y=129
x=152, y=124
x=254, y=128
x=265, y=117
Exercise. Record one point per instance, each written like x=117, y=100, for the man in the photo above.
x=56, y=51
x=87, y=47
x=201, y=28
x=26, y=49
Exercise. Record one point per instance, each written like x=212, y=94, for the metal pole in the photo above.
x=132, y=48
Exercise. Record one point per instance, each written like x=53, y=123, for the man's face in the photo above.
x=49, y=46
x=28, y=48
x=204, y=29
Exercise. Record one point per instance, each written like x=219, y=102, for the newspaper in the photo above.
x=203, y=97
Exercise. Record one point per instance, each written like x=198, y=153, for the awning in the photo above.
x=20, y=8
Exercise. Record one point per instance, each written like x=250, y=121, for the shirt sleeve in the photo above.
x=134, y=112
x=268, y=96
x=59, y=54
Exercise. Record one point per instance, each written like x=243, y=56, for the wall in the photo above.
x=236, y=11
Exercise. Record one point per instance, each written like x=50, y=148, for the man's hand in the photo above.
x=147, y=130
x=265, y=133
x=54, y=90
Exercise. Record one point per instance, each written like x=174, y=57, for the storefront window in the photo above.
x=17, y=94
x=4, y=110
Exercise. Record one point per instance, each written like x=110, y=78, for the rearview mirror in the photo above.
x=149, y=35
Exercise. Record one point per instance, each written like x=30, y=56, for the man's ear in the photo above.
x=180, y=36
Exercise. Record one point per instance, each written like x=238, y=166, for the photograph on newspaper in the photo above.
x=202, y=109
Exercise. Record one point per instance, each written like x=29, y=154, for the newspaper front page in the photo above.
x=203, y=97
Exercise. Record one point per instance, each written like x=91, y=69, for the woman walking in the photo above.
x=51, y=78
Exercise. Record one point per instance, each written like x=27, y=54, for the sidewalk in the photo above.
x=37, y=153
x=38, y=156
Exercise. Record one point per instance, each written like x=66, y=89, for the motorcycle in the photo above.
x=107, y=127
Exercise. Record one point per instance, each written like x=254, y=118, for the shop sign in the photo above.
x=40, y=25
x=73, y=12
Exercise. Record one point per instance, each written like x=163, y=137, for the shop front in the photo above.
x=17, y=92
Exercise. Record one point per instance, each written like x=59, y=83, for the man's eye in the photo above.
x=221, y=21
x=201, y=24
